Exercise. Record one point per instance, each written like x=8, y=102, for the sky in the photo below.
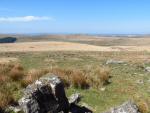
x=75, y=16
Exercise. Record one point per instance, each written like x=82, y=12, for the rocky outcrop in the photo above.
x=45, y=95
x=127, y=107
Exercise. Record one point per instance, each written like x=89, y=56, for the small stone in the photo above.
x=147, y=69
x=15, y=109
x=74, y=98
x=139, y=81
x=103, y=89
x=111, y=61
x=127, y=107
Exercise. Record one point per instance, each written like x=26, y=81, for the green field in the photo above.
x=123, y=84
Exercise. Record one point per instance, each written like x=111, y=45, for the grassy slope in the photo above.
x=123, y=82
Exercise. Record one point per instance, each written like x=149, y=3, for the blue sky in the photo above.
x=75, y=16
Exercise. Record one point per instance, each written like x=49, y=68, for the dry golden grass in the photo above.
x=71, y=77
x=3, y=78
x=103, y=74
x=5, y=60
x=65, y=46
x=32, y=75
x=142, y=103
x=143, y=106
x=11, y=71
x=14, y=73
x=63, y=74
x=83, y=79
x=79, y=80
x=99, y=76
x=49, y=46
x=6, y=98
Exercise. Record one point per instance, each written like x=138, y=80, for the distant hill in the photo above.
x=98, y=40
x=8, y=40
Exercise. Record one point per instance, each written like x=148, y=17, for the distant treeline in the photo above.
x=8, y=40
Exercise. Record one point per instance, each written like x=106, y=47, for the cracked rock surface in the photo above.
x=45, y=95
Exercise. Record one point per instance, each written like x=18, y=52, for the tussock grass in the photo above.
x=82, y=78
x=14, y=73
x=6, y=98
x=10, y=72
x=32, y=75
x=63, y=74
x=143, y=106
x=103, y=75
x=79, y=79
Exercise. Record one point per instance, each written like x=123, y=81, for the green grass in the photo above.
x=123, y=84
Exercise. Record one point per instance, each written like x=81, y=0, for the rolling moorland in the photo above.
x=81, y=61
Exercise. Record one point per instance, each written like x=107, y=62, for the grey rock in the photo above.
x=147, y=69
x=103, y=89
x=15, y=109
x=140, y=82
x=74, y=98
x=111, y=61
x=45, y=95
x=74, y=108
x=127, y=107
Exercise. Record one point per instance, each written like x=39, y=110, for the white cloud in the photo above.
x=24, y=18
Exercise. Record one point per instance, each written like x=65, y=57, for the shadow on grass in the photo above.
x=78, y=109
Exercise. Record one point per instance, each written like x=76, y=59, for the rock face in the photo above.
x=111, y=61
x=127, y=107
x=46, y=95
